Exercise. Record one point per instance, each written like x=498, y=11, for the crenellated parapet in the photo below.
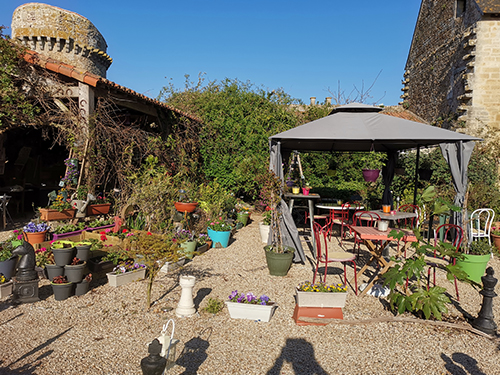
x=61, y=35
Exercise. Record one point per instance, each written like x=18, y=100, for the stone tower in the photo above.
x=61, y=35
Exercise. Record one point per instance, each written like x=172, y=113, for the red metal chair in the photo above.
x=364, y=219
x=322, y=256
x=343, y=221
x=451, y=234
x=411, y=222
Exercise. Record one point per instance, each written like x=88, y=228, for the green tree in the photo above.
x=15, y=109
x=238, y=120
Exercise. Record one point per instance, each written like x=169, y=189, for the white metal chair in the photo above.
x=480, y=224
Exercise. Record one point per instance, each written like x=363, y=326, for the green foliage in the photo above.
x=373, y=160
x=238, y=119
x=480, y=247
x=15, y=109
x=214, y=306
x=154, y=250
x=415, y=297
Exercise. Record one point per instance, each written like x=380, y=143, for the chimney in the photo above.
x=328, y=100
x=313, y=100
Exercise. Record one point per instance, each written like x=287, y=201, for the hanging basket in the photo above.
x=371, y=175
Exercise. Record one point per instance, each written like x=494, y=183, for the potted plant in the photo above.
x=321, y=295
x=60, y=207
x=249, y=306
x=306, y=189
x=5, y=286
x=35, y=233
x=62, y=288
x=495, y=236
x=44, y=260
x=242, y=214
x=100, y=206
x=64, y=251
x=8, y=261
x=83, y=250
x=373, y=163
x=278, y=256
x=80, y=201
x=187, y=243
x=83, y=287
x=475, y=259
x=265, y=224
x=75, y=270
x=67, y=230
x=126, y=272
x=219, y=232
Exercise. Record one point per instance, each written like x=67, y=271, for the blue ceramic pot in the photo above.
x=221, y=238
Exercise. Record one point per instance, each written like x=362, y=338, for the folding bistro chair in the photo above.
x=343, y=221
x=453, y=234
x=323, y=257
x=364, y=219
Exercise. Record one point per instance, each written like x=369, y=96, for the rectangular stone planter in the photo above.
x=262, y=313
x=125, y=278
x=6, y=289
x=48, y=214
x=313, y=299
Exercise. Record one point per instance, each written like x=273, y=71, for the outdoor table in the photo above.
x=370, y=234
x=398, y=215
x=310, y=198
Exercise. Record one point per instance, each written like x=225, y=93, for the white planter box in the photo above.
x=171, y=266
x=125, y=278
x=313, y=299
x=249, y=311
x=6, y=289
x=264, y=232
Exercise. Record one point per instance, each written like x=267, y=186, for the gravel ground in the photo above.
x=107, y=330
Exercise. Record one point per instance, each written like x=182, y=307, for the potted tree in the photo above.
x=278, y=256
x=373, y=163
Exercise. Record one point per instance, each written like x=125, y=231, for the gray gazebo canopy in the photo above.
x=359, y=127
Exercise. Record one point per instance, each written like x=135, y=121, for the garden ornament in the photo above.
x=485, y=321
x=26, y=280
x=186, y=309
x=154, y=363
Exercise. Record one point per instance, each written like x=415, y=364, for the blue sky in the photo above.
x=304, y=47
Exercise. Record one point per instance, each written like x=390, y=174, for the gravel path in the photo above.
x=107, y=330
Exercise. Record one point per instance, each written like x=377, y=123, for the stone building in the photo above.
x=61, y=35
x=69, y=54
x=452, y=73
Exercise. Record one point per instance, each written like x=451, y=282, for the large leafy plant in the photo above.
x=407, y=279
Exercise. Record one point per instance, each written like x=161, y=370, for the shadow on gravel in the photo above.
x=33, y=351
x=195, y=352
x=300, y=353
x=200, y=295
x=469, y=364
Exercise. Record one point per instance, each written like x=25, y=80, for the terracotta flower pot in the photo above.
x=185, y=207
x=48, y=214
x=98, y=209
x=34, y=238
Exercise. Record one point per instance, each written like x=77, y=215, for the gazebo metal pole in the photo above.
x=416, y=176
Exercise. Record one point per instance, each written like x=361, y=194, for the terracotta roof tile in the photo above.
x=93, y=80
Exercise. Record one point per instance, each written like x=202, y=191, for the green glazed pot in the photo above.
x=242, y=218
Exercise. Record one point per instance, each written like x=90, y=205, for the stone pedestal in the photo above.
x=25, y=291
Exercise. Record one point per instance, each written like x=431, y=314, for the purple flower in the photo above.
x=233, y=294
x=241, y=299
x=251, y=297
x=264, y=298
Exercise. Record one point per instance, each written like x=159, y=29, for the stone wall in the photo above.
x=483, y=109
x=62, y=35
x=436, y=77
